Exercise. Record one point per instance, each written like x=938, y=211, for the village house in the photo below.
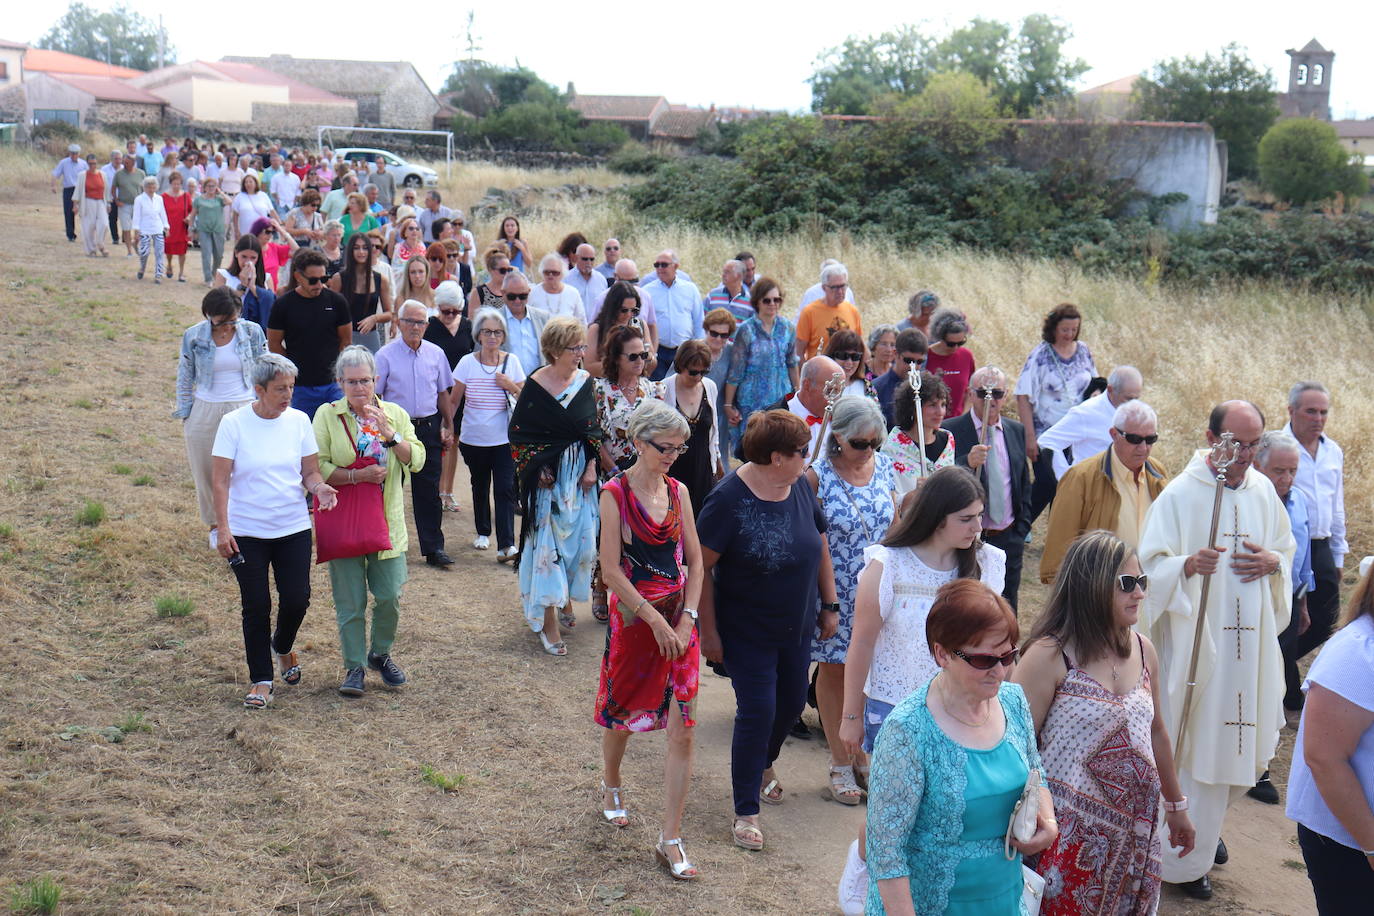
x=387, y=93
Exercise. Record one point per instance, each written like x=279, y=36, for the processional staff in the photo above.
x=833, y=390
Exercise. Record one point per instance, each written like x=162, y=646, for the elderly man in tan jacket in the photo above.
x=1111, y=490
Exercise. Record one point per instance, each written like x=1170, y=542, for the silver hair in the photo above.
x=270, y=365
x=1121, y=376
x=824, y=264
x=653, y=418
x=831, y=271
x=855, y=415
x=877, y=334
x=980, y=377
x=1275, y=440
x=355, y=357
x=448, y=293
x=412, y=304
x=734, y=267
x=332, y=225
x=150, y=180
x=488, y=314
x=1132, y=412
x=672, y=256
x=555, y=259
x=946, y=322
x=1297, y=391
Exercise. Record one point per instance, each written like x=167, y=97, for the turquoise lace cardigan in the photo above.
x=916, y=800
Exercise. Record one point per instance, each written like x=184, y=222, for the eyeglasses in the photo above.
x=848, y=356
x=667, y=449
x=553, y=273
x=1244, y=446
x=413, y=322
x=955, y=343
x=1137, y=439
x=449, y=313
x=586, y=259
x=517, y=297
x=837, y=286
x=504, y=270
x=359, y=382
x=720, y=335
x=996, y=393
x=659, y=265
x=580, y=348
x=491, y=332
x=915, y=361
x=629, y=311
x=313, y=281
x=228, y=322
x=1129, y=584
x=636, y=357
x=986, y=662
x=612, y=247
x=864, y=445
x=696, y=373
x=771, y=300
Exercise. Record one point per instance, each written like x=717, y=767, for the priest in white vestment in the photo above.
x=1237, y=705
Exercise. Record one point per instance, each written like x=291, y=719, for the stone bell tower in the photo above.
x=1309, y=83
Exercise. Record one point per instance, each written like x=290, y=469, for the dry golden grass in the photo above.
x=319, y=805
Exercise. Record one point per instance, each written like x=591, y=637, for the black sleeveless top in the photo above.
x=361, y=305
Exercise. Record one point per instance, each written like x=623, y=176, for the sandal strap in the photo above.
x=842, y=781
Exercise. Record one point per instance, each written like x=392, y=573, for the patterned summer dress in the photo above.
x=857, y=517
x=906, y=457
x=638, y=685
x=759, y=361
x=613, y=409
x=1100, y=767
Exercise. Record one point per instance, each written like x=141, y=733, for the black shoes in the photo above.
x=1201, y=889
x=392, y=675
x=1264, y=791
x=801, y=730
x=352, y=685
x=439, y=559
x=1222, y=856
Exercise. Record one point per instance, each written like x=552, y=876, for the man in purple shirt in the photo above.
x=414, y=373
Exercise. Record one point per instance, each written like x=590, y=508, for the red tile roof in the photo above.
x=107, y=89
x=44, y=61
x=618, y=107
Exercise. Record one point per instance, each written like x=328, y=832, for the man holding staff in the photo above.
x=1234, y=710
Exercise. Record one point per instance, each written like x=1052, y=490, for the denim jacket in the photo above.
x=197, y=363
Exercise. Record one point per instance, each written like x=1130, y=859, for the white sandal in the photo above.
x=553, y=648
x=681, y=871
x=843, y=788
x=617, y=816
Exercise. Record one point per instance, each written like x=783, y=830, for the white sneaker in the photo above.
x=506, y=554
x=482, y=542
x=853, y=883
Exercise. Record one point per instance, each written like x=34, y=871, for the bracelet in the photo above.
x=851, y=717
x=1172, y=806
x=352, y=475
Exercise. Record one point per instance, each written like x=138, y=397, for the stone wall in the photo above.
x=106, y=112
x=299, y=117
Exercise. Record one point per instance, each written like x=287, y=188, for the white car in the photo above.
x=407, y=174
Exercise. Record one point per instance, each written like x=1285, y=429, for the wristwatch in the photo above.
x=389, y=443
x=830, y=606
x=691, y=612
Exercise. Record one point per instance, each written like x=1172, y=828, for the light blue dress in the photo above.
x=938, y=811
x=758, y=366
x=556, y=564
x=858, y=518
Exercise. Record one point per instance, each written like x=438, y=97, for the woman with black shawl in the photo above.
x=555, y=436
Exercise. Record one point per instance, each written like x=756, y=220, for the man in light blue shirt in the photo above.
x=584, y=278
x=524, y=325
x=69, y=170
x=677, y=302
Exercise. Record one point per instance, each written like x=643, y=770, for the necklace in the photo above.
x=944, y=701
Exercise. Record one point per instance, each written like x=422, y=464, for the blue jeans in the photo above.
x=310, y=398
x=875, y=714
x=770, y=692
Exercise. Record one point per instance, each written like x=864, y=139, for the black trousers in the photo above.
x=770, y=692
x=114, y=223
x=289, y=559
x=68, y=217
x=1013, y=545
x=1323, y=606
x=424, y=487
x=1342, y=880
x=1042, y=489
x=488, y=465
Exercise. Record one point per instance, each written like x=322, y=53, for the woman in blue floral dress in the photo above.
x=856, y=486
x=763, y=359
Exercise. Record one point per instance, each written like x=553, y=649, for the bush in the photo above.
x=37, y=895
x=634, y=158
x=174, y=606
x=1302, y=161
x=91, y=514
x=53, y=137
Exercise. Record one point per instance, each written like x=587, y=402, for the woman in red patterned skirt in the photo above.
x=649, y=671
x=1091, y=683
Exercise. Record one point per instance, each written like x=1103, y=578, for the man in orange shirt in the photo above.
x=825, y=316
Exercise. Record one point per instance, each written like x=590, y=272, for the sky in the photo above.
x=755, y=55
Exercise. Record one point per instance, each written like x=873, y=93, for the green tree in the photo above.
x=119, y=36
x=851, y=79
x=1302, y=161
x=1226, y=91
x=956, y=111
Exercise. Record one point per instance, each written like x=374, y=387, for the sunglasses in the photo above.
x=313, y=281
x=914, y=361
x=696, y=373
x=629, y=311
x=771, y=300
x=865, y=444
x=848, y=356
x=449, y=312
x=720, y=335
x=1137, y=439
x=517, y=297
x=665, y=449
x=636, y=357
x=586, y=259
x=955, y=343
x=996, y=393
x=504, y=270
x=659, y=265
x=612, y=247
x=986, y=662
x=1129, y=584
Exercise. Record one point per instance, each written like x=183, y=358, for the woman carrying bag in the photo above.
x=366, y=445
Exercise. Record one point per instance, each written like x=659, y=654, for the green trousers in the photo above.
x=352, y=579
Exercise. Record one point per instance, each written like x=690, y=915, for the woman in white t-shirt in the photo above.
x=214, y=377
x=250, y=205
x=1331, y=783
x=264, y=453
x=482, y=380
x=933, y=541
x=553, y=295
x=231, y=176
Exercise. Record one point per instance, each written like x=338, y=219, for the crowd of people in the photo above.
x=721, y=480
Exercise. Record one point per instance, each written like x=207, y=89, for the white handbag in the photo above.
x=1032, y=891
x=1021, y=825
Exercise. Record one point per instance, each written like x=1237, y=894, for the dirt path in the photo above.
x=318, y=805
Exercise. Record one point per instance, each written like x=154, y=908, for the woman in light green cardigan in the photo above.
x=362, y=426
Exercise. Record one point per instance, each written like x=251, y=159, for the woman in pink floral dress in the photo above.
x=901, y=441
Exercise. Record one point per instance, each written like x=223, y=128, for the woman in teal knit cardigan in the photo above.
x=949, y=764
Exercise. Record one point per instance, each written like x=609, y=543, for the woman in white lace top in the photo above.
x=935, y=541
